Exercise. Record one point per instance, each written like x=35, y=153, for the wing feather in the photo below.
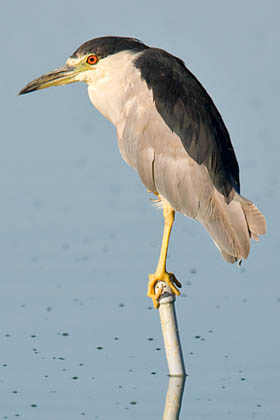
x=188, y=110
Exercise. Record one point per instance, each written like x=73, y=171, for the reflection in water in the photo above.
x=174, y=396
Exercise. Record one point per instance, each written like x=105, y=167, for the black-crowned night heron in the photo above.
x=170, y=131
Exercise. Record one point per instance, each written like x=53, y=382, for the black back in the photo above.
x=189, y=111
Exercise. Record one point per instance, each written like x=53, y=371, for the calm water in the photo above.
x=79, y=234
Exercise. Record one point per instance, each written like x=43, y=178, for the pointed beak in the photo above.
x=62, y=76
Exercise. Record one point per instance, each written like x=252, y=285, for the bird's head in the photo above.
x=85, y=60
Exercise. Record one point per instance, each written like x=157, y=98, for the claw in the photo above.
x=168, y=278
x=156, y=296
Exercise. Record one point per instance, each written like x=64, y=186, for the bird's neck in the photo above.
x=110, y=84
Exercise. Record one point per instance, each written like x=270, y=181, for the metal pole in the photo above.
x=170, y=332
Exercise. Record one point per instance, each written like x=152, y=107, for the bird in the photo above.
x=170, y=131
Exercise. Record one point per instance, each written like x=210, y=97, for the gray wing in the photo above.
x=164, y=166
x=147, y=144
x=189, y=111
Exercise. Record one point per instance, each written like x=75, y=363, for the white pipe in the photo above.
x=170, y=330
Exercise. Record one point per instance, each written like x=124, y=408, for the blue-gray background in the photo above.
x=79, y=234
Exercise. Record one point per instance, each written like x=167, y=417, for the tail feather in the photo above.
x=255, y=220
x=229, y=258
x=232, y=225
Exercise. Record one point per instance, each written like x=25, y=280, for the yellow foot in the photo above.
x=168, y=278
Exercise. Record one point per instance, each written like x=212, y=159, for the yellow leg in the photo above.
x=161, y=273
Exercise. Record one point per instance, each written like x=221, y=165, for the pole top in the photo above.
x=166, y=294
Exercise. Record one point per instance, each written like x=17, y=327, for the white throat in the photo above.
x=110, y=82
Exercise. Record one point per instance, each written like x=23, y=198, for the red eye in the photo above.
x=92, y=59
